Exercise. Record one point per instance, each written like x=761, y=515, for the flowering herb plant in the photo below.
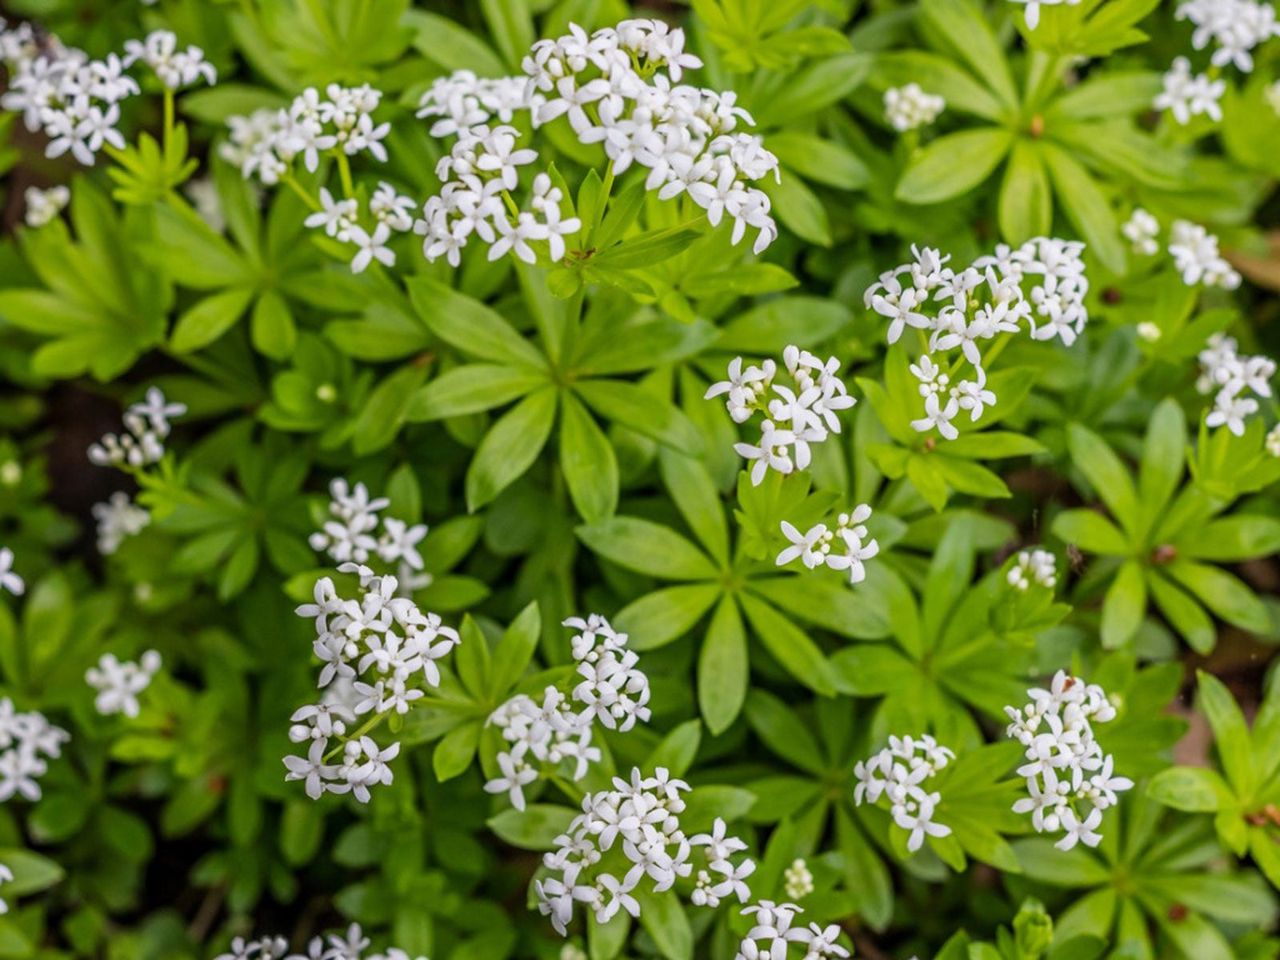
x=590, y=479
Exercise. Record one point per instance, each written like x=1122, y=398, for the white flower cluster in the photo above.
x=1142, y=230
x=1188, y=95
x=75, y=101
x=961, y=309
x=1272, y=442
x=389, y=213
x=265, y=143
x=6, y=876
x=629, y=833
x=1195, y=255
x=480, y=173
x=118, y=519
x=807, y=409
x=1236, y=26
x=383, y=644
x=772, y=935
x=1066, y=768
x=463, y=101
x=44, y=205
x=620, y=87
x=26, y=740
x=901, y=772
x=1193, y=248
x=9, y=580
x=1032, y=14
x=349, y=535
x=909, y=107
x=613, y=690
x=797, y=880
x=175, y=68
x=1034, y=566
x=349, y=946
x=119, y=682
x=147, y=425
x=813, y=547
x=1227, y=375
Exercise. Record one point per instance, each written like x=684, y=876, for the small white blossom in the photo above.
x=1033, y=9
x=27, y=740
x=175, y=68
x=909, y=107
x=1067, y=772
x=899, y=772
x=120, y=682
x=1142, y=231
x=1228, y=375
x=44, y=205
x=1186, y=95
x=9, y=580
x=1033, y=566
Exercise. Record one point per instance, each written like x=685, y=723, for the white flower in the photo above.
x=640, y=819
x=157, y=411
x=909, y=107
x=899, y=772
x=6, y=876
x=337, y=217
x=1187, y=96
x=175, y=68
x=1150, y=332
x=798, y=880
x=391, y=208
x=1237, y=26
x=1229, y=374
x=373, y=246
x=27, y=740
x=1141, y=230
x=1273, y=441
x=937, y=416
x=381, y=647
x=1195, y=254
x=8, y=579
x=45, y=205
x=119, y=683
x=516, y=775
x=1038, y=566
x=1069, y=778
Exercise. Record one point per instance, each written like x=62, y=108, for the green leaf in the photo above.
x=1026, y=201
x=472, y=388
x=1124, y=606
x=823, y=161
x=1162, y=459
x=695, y=495
x=1090, y=531
x=637, y=408
x=1105, y=473
x=456, y=750
x=1226, y=595
x=965, y=29
x=1183, y=613
x=677, y=749
x=469, y=326
x=723, y=668
x=663, y=918
x=534, y=828
x=209, y=319
x=953, y=164
x=587, y=458
x=1230, y=734
x=647, y=547
x=514, y=651
x=1193, y=789
x=511, y=25
x=510, y=447
x=1086, y=207
x=1231, y=539
x=31, y=872
x=658, y=618
x=386, y=409
x=790, y=646
x=784, y=734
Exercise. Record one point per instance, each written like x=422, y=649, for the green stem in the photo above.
x=344, y=171
x=297, y=188
x=168, y=119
